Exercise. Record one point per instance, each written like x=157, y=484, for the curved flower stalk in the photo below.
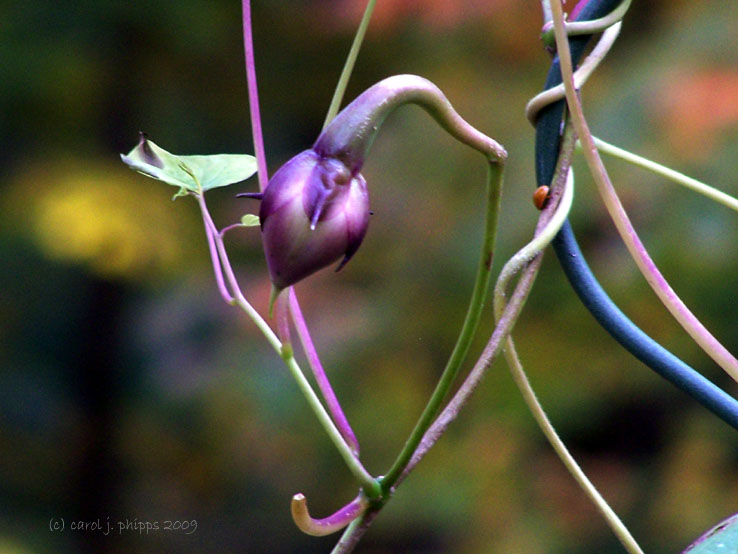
x=548, y=125
x=492, y=349
x=315, y=209
x=350, y=135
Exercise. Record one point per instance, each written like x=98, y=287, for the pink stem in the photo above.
x=334, y=408
x=283, y=321
x=689, y=322
x=248, y=47
x=217, y=268
x=230, y=227
x=326, y=525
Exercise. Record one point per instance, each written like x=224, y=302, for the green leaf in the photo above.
x=721, y=539
x=250, y=220
x=194, y=174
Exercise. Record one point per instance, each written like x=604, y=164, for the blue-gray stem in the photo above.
x=548, y=128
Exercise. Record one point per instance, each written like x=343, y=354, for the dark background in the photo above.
x=128, y=390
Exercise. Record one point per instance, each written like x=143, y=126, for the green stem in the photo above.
x=474, y=312
x=348, y=67
x=679, y=178
x=543, y=237
x=521, y=380
x=368, y=482
x=494, y=345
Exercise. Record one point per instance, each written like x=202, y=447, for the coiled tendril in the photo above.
x=546, y=112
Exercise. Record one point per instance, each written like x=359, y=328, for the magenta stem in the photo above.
x=210, y=231
x=327, y=525
x=230, y=227
x=334, y=408
x=248, y=47
x=282, y=315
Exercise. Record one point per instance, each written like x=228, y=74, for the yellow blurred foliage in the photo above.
x=8, y=546
x=119, y=224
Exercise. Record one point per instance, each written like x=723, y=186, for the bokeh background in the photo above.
x=129, y=391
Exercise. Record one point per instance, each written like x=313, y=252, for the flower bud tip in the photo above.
x=273, y=298
x=254, y=195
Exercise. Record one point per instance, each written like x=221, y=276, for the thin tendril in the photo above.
x=693, y=184
x=580, y=276
x=248, y=47
x=348, y=67
x=529, y=395
x=691, y=324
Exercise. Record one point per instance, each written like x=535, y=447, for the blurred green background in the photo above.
x=128, y=390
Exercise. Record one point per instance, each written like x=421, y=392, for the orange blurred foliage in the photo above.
x=437, y=14
x=510, y=23
x=694, y=108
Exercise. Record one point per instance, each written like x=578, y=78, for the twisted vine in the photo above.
x=548, y=120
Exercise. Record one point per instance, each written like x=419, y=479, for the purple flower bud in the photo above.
x=315, y=209
x=313, y=212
